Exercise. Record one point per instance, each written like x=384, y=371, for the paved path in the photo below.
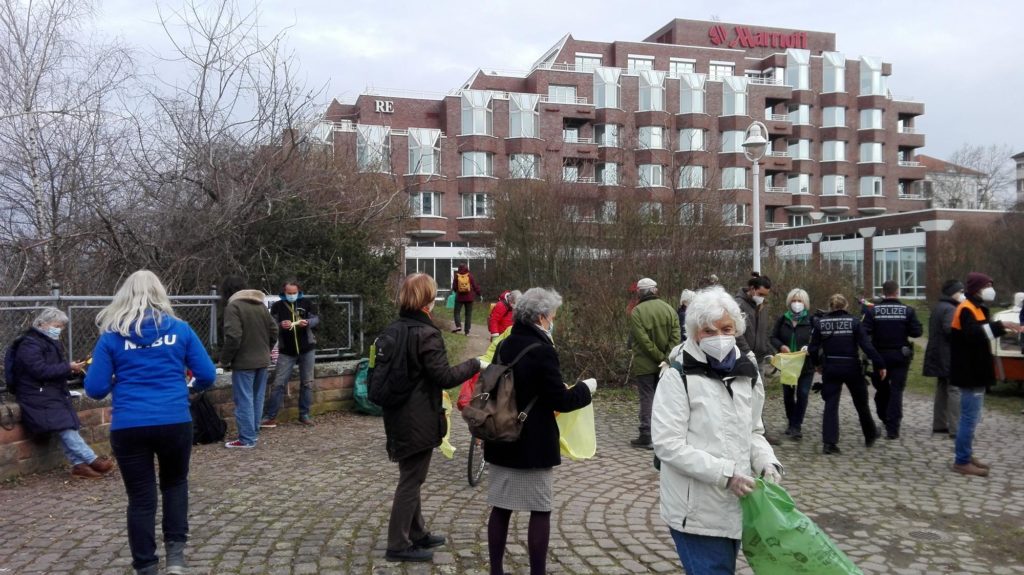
x=317, y=501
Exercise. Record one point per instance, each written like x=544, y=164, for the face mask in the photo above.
x=988, y=294
x=718, y=346
x=959, y=296
x=758, y=299
x=53, y=332
x=291, y=297
x=797, y=306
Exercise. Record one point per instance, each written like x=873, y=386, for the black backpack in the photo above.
x=389, y=384
x=10, y=378
x=207, y=426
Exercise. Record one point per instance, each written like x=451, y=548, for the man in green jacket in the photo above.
x=249, y=335
x=654, y=331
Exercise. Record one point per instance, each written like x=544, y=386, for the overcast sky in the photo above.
x=962, y=59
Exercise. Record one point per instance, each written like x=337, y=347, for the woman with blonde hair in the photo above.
x=148, y=350
x=792, y=333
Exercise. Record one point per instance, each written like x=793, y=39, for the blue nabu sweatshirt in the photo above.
x=146, y=373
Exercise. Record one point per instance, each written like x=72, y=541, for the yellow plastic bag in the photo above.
x=790, y=364
x=577, y=437
x=447, y=449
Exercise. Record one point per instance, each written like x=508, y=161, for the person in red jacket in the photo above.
x=466, y=291
x=501, y=314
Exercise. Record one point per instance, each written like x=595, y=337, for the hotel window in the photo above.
x=833, y=151
x=691, y=94
x=798, y=75
x=652, y=91
x=606, y=87
x=477, y=114
x=871, y=185
x=871, y=153
x=834, y=185
x=872, y=83
x=734, y=178
x=424, y=151
x=799, y=184
x=734, y=214
x=871, y=119
x=636, y=63
x=800, y=114
x=833, y=72
x=607, y=174
x=607, y=212
x=571, y=213
x=477, y=164
x=800, y=149
x=732, y=141
x=734, y=96
x=676, y=68
x=524, y=166
x=587, y=62
x=691, y=140
x=522, y=115
x=797, y=220
x=570, y=170
x=652, y=138
x=373, y=148
x=426, y=204
x=476, y=206
x=719, y=71
x=690, y=214
x=833, y=117
x=691, y=177
x=650, y=175
x=607, y=135
x=561, y=94
x=650, y=212
x=571, y=134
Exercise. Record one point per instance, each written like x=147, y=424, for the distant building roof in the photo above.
x=936, y=165
x=1019, y=156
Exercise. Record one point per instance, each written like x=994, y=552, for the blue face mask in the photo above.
x=53, y=332
x=291, y=297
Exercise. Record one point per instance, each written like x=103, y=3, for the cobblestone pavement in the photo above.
x=317, y=501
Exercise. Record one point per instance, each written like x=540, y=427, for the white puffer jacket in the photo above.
x=703, y=433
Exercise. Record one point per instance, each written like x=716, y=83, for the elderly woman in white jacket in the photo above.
x=707, y=431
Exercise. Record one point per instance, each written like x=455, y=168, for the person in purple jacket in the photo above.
x=141, y=359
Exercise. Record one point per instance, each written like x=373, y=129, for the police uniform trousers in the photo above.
x=889, y=392
x=836, y=373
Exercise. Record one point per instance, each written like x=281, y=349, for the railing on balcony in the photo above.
x=778, y=154
x=580, y=180
x=776, y=190
x=777, y=117
x=765, y=81
x=912, y=197
x=579, y=100
x=909, y=164
x=906, y=130
x=578, y=140
x=775, y=225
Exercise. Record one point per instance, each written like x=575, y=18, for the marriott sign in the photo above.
x=744, y=37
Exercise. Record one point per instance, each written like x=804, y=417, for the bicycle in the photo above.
x=476, y=465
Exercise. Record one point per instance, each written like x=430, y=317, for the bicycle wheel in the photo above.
x=476, y=466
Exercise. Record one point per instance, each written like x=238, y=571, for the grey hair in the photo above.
x=140, y=295
x=711, y=305
x=687, y=296
x=535, y=303
x=513, y=296
x=797, y=294
x=50, y=315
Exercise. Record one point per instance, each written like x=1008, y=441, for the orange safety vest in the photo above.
x=969, y=305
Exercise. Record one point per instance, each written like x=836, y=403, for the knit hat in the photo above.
x=976, y=281
x=950, y=287
x=646, y=283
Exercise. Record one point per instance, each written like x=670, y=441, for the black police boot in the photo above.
x=831, y=449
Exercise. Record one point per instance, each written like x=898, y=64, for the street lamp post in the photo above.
x=754, y=147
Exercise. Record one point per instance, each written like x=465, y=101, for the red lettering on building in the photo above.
x=744, y=37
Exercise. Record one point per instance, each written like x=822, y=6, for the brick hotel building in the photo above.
x=662, y=120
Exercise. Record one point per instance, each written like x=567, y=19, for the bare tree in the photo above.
x=981, y=177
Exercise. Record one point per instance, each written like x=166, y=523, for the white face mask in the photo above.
x=797, y=306
x=988, y=294
x=959, y=296
x=718, y=346
x=758, y=299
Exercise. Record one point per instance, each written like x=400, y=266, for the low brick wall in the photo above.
x=22, y=454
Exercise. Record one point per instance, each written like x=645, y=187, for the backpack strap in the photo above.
x=526, y=411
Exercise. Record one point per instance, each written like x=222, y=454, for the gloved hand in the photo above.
x=483, y=363
x=591, y=383
x=741, y=485
x=771, y=474
x=494, y=336
x=804, y=348
x=817, y=386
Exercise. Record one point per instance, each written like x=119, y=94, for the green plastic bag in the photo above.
x=450, y=302
x=780, y=540
x=361, y=391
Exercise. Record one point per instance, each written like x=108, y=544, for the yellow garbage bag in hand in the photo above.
x=577, y=437
x=790, y=365
x=447, y=449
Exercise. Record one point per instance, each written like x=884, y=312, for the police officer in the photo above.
x=889, y=323
x=833, y=351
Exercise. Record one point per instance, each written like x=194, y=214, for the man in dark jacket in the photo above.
x=654, y=330
x=249, y=335
x=466, y=291
x=757, y=337
x=297, y=318
x=970, y=364
x=946, y=408
x=889, y=323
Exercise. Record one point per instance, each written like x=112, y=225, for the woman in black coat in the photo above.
x=417, y=426
x=521, y=471
x=39, y=379
x=793, y=333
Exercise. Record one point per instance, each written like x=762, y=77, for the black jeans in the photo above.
x=407, y=524
x=646, y=385
x=457, y=313
x=833, y=379
x=134, y=449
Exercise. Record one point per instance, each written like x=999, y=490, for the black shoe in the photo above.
x=789, y=431
x=830, y=449
x=940, y=431
x=429, y=541
x=642, y=442
x=892, y=436
x=412, y=554
x=797, y=435
x=871, y=439
x=772, y=439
